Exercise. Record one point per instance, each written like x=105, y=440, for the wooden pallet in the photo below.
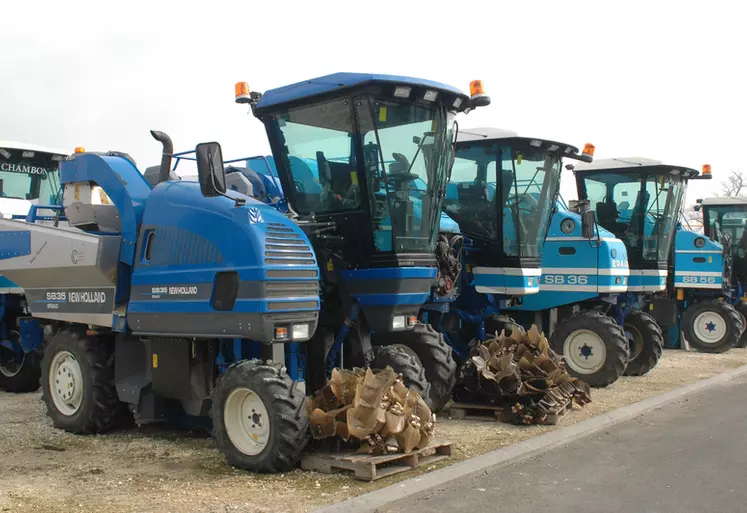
x=466, y=411
x=371, y=468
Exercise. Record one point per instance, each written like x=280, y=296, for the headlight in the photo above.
x=567, y=225
x=398, y=322
x=699, y=242
x=300, y=331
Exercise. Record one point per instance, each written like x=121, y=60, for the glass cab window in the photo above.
x=407, y=149
x=380, y=155
x=504, y=193
x=639, y=209
x=729, y=220
x=319, y=148
x=31, y=177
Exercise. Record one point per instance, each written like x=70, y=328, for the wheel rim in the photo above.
x=635, y=341
x=584, y=351
x=709, y=327
x=247, y=421
x=10, y=361
x=66, y=383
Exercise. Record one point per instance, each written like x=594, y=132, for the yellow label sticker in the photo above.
x=382, y=114
x=518, y=158
x=77, y=192
x=651, y=306
x=469, y=268
x=330, y=267
x=710, y=260
x=354, y=178
x=155, y=360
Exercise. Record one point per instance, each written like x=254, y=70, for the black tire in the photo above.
x=495, y=323
x=286, y=408
x=610, y=334
x=403, y=362
x=435, y=357
x=741, y=308
x=732, y=326
x=648, y=343
x=100, y=409
x=20, y=377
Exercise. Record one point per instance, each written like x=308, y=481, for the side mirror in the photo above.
x=210, y=169
x=588, y=221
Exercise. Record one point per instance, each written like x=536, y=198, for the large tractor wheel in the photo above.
x=712, y=326
x=495, y=323
x=19, y=372
x=594, y=347
x=260, y=421
x=434, y=355
x=78, y=383
x=645, y=342
x=404, y=361
x=741, y=308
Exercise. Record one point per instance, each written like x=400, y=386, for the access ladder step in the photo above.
x=370, y=468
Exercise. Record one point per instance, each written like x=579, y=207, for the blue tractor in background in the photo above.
x=584, y=280
x=29, y=178
x=724, y=220
x=675, y=274
x=502, y=194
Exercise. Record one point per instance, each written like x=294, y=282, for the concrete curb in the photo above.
x=370, y=502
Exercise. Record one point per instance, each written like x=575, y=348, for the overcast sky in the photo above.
x=664, y=80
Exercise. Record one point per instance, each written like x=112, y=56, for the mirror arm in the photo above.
x=237, y=201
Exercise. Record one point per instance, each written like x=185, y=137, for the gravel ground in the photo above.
x=156, y=469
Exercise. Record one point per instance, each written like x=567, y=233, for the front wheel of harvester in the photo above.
x=19, y=371
x=78, y=383
x=260, y=421
x=741, y=308
x=646, y=343
x=712, y=326
x=435, y=357
x=403, y=361
x=594, y=347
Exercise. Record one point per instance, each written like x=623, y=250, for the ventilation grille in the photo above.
x=291, y=289
x=283, y=246
x=177, y=246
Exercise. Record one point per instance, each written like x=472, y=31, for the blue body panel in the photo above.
x=401, y=274
x=506, y=280
x=14, y=244
x=337, y=81
x=237, y=238
x=124, y=185
x=694, y=267
x=575, y=269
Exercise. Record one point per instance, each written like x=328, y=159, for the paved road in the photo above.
x=688, y=457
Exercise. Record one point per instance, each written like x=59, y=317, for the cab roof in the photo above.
x=629, y=163
x=13, y=145
x=327, y=84
x=724, y=201
x=466, y=135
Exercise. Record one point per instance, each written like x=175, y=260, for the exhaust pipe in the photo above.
x=168, y=152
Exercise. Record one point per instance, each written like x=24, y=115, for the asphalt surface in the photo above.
x=690, y=456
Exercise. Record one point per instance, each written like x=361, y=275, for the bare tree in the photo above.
x=734, y=184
